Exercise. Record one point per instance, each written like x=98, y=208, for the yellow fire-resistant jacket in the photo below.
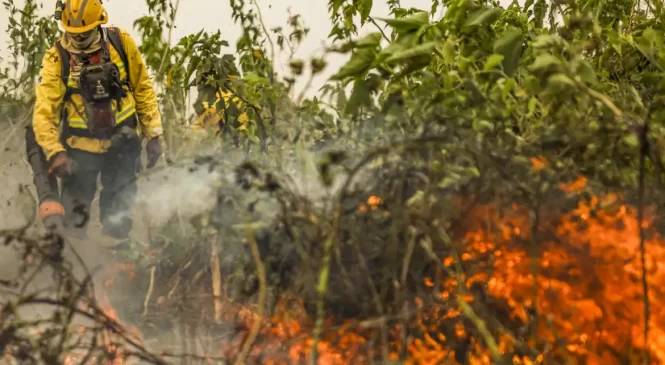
x=211, y=116
x=50, y=92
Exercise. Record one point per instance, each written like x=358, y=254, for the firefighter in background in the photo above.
x=94, y=103
x=214, y=106
x=213, y=117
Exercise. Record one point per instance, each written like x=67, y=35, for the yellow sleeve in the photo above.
x=49, y=93
x=150, y=120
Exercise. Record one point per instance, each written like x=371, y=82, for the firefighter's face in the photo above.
x=82, y=37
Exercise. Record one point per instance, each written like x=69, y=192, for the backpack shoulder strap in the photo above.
x=116, y=41
x=65, y=65
x=65, y=60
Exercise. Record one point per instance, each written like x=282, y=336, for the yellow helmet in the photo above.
x=81, y=16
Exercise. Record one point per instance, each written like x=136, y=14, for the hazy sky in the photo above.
x=212, y=15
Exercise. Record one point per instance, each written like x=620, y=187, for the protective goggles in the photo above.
x=80, y=37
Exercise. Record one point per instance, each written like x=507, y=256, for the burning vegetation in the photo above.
x=497, y=201
x=494, y=284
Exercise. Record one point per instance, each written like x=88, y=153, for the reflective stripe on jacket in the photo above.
x=50, y=92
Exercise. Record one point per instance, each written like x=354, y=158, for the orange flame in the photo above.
x=372, y=203
x=582, y=287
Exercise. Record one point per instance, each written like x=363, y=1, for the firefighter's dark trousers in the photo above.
x=118, y=179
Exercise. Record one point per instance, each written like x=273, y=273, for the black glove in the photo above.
x=154, y=151
x=61, y=165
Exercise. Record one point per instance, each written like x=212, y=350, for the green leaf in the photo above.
x=539, y=11
x=463, y=63
x=531, y=107
x=650, y=44
x=449, y=51
x=364, y=8
x=440, y=96
x=482, y=126
x=449, y=181
x=483, y=16
x=561, y=81
x=493, y=61
x=636, y=97
x=586, y=72
x=416, y=199
x=403, y=42
x=256, y=78
x=425, y=49
x=409, y=23
x=509, y=45
x=631, y=140
x=527, y=5
x=252, y=137
x=545, y=62
x=509, y=86
x=343, y=48
x=458, y=175
x=614, y=39
x=652, y=36
x=360, y=62
x=359, y=97
x=194, y=63
x=370, y=40
x=415, y=64
x=341, y=99
x=547, y=41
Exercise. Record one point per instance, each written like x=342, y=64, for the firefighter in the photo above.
x=94, y=104
x=214, y=116
x=216, y=103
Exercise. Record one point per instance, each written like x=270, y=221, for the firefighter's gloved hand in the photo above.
x=61, y=165
x=154, y=151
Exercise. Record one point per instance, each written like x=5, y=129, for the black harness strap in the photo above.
x=113, y=35
x=64, y=63
x=64, y=75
